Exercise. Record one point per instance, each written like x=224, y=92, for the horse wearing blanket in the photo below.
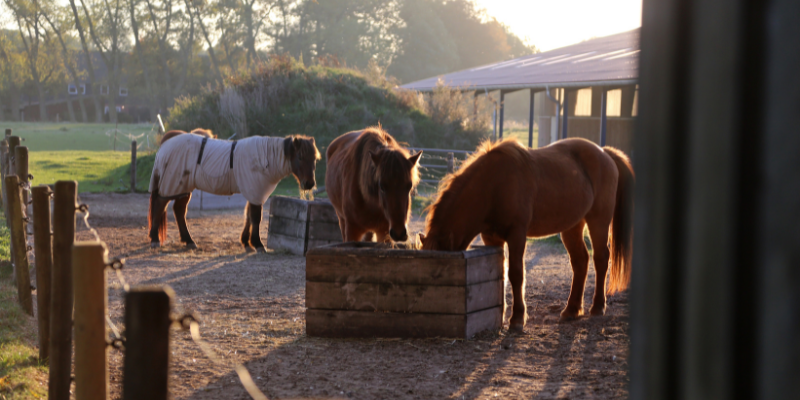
x=252, y=167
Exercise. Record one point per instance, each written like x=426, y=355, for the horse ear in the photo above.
x=296, y=142
x=375, y=157
x=415, y=158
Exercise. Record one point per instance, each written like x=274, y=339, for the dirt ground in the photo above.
x=253, y=306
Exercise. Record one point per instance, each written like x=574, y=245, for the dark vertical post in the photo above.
x=502, y=112
x=147, y=322
x=475, y=104
x=64, y=204
x=42, y=251
x=603, y=117
x=8, y=132
x=531, y=120
x=565, y=112
x=21, y=168
x=13, y=142
x=133, y=166
x=19, y=248
x=450, y=163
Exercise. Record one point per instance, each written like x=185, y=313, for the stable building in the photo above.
x=584, y=90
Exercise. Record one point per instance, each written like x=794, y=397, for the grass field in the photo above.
x=21, y=375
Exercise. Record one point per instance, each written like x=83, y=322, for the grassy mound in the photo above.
x=285, y=97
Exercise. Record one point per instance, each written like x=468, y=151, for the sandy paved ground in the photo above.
x=253, y=311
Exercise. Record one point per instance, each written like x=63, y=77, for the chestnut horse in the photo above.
x=507, y=193
x=195, y=161
x=369, y=181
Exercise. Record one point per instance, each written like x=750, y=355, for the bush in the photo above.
x=282, y=97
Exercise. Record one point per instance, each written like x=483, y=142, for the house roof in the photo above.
x=605, y=61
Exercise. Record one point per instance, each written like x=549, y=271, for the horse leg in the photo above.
x=599, y=235
x=255, y=226
x=244, y=239
x=179, y=210
x=158, y=215
x=353, y=233
x=579, y=258
x=516, y=276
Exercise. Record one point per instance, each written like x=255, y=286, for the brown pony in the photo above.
x=297, y=156
x=507, y=193
x=369, y=181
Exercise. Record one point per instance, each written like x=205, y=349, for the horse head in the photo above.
x=396, y=176
x=303, y=153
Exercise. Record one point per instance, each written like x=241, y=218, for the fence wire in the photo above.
x=187, y=322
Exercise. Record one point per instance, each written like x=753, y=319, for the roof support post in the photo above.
x=565, y=112
x=531, y=120
x=603, y=118
x=502, y=112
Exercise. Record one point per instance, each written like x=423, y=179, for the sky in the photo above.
x=550, y=24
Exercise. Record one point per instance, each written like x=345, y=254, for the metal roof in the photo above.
x=605, y=61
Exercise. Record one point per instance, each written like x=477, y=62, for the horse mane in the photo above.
x=197, y=131
x=374, y=139
x=452, y=184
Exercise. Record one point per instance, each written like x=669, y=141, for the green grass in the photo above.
x=522, y=135
x=84, y=153
x=21, y=374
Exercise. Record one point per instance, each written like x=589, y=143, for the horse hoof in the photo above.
x=517, y=327
x=248, y=249
x=155, y=245
x=191, y=246
x=261, y=250
x=597, y=312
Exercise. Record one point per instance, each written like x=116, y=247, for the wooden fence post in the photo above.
x=89, y=284
x=21, y=170
x=43, y=256
x=13, y=142
x=133, y=166
x=451, y=167
x=19, y=248
x=147, y=323
x=64, y=204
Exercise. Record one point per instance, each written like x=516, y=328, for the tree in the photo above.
x=39, y=48
x=13, y=71
x=60, y=22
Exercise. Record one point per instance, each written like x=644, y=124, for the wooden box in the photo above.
x=362, y=289
x=299, y=225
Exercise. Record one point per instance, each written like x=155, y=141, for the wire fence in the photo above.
x=434, y=165
x=90, y=288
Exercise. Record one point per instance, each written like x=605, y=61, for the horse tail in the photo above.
x=162, y=227
x=622, y=225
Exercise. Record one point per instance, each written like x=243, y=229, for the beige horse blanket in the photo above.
x=252, y=166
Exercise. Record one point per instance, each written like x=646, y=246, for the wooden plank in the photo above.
x=282, y=242
x=421, y=270
x=403, y=271
x=403, y=298
x=287, y=227
x=366, y=324
x=321, y=230
x=397, y=251
x=288, y=207
x=89, y=283
x=311, y=244
x=322, y=211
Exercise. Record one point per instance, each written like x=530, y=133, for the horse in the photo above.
x=507, y=193
x=369, y=181
x=195, y=160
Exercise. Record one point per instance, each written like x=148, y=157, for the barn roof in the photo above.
x=605, y=61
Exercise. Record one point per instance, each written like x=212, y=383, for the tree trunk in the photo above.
x=70, y=110
x=15, y=103
x=42, y=105
x=82, y=103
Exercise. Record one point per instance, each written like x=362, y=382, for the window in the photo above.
x=123, y=91
x=614, y=103
x=72, y=89
x=104, y=89
x=583, y=104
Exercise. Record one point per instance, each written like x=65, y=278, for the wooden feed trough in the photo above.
x=362, y=289
x=299, y=225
